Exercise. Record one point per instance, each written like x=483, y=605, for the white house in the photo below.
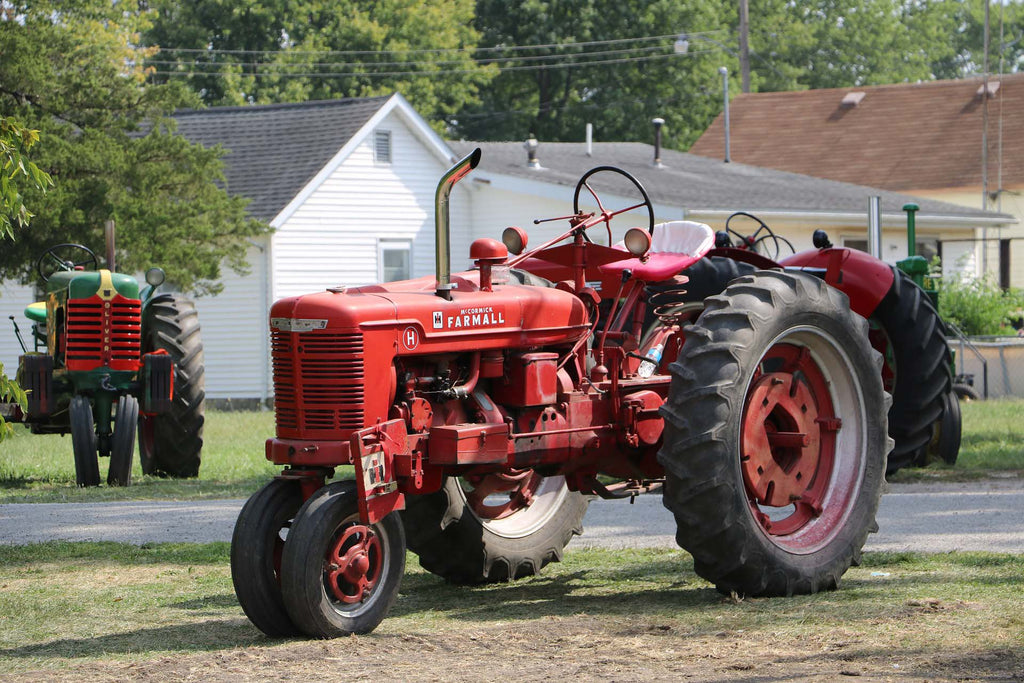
x=348, y=186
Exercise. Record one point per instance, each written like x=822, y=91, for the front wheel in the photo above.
x=338, y=575
x=775, y=436
x=83, y=442
x=257, y=546
x=122, y=446
x=495, y=527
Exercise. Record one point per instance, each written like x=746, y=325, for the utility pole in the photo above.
x=744, y=30
x=984, y=145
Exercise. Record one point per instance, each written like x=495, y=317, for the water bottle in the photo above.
x=648, y=366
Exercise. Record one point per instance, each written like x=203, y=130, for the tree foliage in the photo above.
x=73, y=70
x=503, y=69
x=16, y=171
x=555, y=90
x=296, y=50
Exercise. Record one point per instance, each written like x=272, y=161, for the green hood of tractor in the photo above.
x=82, y=285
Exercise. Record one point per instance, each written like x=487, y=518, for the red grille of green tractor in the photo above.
x=318, y=383
x=104, y=333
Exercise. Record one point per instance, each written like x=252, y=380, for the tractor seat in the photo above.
x=675, y=245
x=36, y=312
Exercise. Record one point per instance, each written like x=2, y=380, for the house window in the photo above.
x=928, y=247
x=394, y=260
x=382, y=146
x=859, y=245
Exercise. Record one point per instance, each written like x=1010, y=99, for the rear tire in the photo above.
x=776, y=359
x=922, y=365
x=83, y=442
x=122, y=446
x=338, y=575
x=463, y=547
x=171, y=443
x=257, y=547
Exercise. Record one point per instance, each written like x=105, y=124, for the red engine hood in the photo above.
x=410, y=318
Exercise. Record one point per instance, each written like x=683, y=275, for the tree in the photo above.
x=629, y=73
x=73, y=70
x=841, y=43
x=15, y=171
x=1006, y=38
x=295, y=50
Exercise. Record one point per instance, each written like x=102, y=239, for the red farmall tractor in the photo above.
x=482, y=410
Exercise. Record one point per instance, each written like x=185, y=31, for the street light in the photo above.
x=682, y=46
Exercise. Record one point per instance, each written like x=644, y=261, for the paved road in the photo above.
x=928, y=518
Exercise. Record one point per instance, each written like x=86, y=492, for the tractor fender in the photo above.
x=862, y=277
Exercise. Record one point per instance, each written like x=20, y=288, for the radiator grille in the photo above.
x=318, y=383
x=103, y=333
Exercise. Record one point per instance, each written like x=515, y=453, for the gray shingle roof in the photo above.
x=273, y=151
x=702, y=184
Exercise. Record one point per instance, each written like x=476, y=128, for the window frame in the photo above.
x=384, y=245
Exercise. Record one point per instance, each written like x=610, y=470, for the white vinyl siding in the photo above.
x=13, y=300
x=235, y=334
x=332, y=238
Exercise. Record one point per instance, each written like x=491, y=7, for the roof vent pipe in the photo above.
x=590, y=139
x=531, y=146
x=658, y=123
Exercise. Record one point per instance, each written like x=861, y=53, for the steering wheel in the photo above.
x=606, y=215
x=761, y=244
x=62, y=257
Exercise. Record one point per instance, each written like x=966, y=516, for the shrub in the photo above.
x=979, y=306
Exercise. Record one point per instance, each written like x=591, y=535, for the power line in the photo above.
x=491, y=60
x=390, y=74
x=496, y=48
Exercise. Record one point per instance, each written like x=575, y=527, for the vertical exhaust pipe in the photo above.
x=442, y=242
x=108, y=235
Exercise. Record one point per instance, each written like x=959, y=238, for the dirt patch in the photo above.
x=580, y=647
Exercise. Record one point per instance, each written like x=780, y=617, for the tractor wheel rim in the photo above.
x=802, y=439
x=353, y=566
x=516, y=504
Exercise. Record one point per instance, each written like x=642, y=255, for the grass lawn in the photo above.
x=41, y=468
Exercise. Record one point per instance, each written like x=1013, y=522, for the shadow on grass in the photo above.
x=210, y=635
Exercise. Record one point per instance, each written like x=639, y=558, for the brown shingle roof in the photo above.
x=907, y=136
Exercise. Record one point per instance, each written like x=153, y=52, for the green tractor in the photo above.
x=107, y=363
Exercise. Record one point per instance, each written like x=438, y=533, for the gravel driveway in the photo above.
x=986, y=515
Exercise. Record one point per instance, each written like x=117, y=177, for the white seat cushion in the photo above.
x=682, y=237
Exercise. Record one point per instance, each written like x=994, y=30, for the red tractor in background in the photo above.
x=481, y=411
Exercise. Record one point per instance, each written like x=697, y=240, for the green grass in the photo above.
x=150, y=603
x=992, y=444
x=41, y=468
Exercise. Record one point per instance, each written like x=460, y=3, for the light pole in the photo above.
x=725, y=108
x=681, y=46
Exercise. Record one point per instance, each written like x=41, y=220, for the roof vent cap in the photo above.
x=993, y=88
x=531, y=146
x=852, y=98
